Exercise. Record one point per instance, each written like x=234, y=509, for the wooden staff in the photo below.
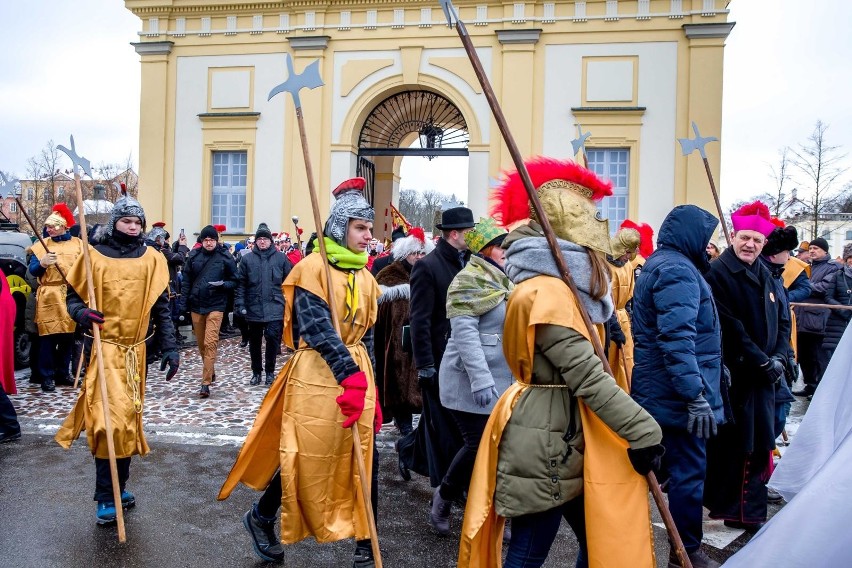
x=828, y=306
x=37, y=233
x=295, y=220
x=96, y=334
x=292, y=85
x=550, y=236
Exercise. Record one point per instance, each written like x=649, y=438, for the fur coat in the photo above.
x=396, y=375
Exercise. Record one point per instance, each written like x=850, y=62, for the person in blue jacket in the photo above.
x=677, y=373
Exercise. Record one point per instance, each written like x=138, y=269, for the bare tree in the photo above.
x=820, y=166
x=780, y=201
x=422, y=208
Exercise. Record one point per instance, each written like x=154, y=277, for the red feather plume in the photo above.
x=63, y=210
x=220, y=228
x=646, y=236
x=511, y=203
x=418, y=234
x=778, y=222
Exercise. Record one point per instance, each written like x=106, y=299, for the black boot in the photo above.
x=255, y=379
x=47, y=385
x=270, y=378
x=263, y=537
x=363, y=557
x=439, y=516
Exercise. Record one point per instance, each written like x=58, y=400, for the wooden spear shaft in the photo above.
x=512, y=146
x=99, y=356
x=356, y=436
x=37, y=233
x=716, y=199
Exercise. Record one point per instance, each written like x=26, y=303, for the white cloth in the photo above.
x=815, y=477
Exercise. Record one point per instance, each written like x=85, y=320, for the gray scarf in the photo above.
x=530, y=257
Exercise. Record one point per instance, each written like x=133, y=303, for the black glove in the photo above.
x=701, y=422
x=773, y=370
x=645, y=460
x=88, y=317
x=172, y=359
x=426, y=376
x=792, y=370
x=215, y=283
x=616, y=334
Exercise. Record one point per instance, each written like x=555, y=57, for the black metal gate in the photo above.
x=367, y=170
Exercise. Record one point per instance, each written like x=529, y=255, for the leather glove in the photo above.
x=773, y=369
x=616, y=334
x=215, y=283
x=172, y=359
x=483, y=397
x=426, y=376
x=701, y=422
x=351, y=402
x=47, y=260
x=379, y=419
x=792, y=370
x=645, y=460
x=89, y=317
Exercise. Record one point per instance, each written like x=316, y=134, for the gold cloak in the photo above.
x=51, y=314
x=618, y=514
x=792, y=268
x=298, y=426
x=621, y=359
x=125, y=290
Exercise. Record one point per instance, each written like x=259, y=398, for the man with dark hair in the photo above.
x=755, y=343
x=208, y=275
x=437, y=433
x=260, y=301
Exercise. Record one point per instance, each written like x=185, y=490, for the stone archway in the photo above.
x=388, y=132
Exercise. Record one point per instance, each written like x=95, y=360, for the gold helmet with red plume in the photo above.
x=646, y=233
x=568, y=193
x=60, y=217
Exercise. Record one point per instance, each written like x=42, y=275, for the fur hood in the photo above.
x=394, y=282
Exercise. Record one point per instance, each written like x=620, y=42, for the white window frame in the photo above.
x=613, y=164
x=229, y=192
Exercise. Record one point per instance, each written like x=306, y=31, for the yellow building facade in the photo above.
x=213, y=149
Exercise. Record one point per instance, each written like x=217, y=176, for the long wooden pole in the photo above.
x=356, y=436
x=102, y=385
x=718, y=203
x=550, y=236
x=37, y=233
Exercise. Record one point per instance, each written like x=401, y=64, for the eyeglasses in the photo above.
x=419, y=253
x=208, y=240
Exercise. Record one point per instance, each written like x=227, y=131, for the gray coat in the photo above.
x=474, y=360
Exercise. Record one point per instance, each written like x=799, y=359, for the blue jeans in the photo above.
x=684, y=468
x=533, y=534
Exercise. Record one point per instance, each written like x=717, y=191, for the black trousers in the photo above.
x=8, y=417
x=270, y=501
x=257, y=332
x=54, y=356
x=103, y=479
x=813, y=358
x=457, y=478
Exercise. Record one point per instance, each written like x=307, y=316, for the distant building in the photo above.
x=836, y=228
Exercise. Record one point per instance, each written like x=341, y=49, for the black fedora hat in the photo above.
x=456, y=218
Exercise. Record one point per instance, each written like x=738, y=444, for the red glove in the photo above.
x=379, y=419
x=351, y=402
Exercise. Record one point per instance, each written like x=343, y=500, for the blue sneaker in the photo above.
x=106, y=512
x=128, y=501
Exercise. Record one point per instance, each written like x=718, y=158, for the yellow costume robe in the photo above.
x=125, y=290
x=617, y=511
x=298, y=427
x=621, y=359
x=51, y=312
x=792, y=268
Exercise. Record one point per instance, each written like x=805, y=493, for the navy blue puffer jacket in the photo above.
x=678, y=346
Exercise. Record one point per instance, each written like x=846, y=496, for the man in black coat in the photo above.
x=260, y=301
x=436, y=437
x=755, y=334
x=208, y=275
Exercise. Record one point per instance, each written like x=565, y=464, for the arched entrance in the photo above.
x=392, y=131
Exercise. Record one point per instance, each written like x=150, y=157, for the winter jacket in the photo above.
x=839, y=293
x=474, y=359
x=676, y=329
x=259, y=278
x=755, y=326
x=430, y=279
x=196, y=293
x=813, y=320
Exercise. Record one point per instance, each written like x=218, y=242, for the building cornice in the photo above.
x=525, y=36
x=153, y=47
x=309, y=42
x=708, y=31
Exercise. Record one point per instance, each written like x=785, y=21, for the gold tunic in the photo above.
x=621, y=359
x=51, y=312
x=298, y=426
x=125, y=290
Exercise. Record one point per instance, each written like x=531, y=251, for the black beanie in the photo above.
x=781, y=239
x=208, y=232
x=821, y=243
x=263, y=232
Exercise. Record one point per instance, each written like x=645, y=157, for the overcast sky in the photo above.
x=67, y=67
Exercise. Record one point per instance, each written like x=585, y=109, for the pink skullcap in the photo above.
x=753, y=217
